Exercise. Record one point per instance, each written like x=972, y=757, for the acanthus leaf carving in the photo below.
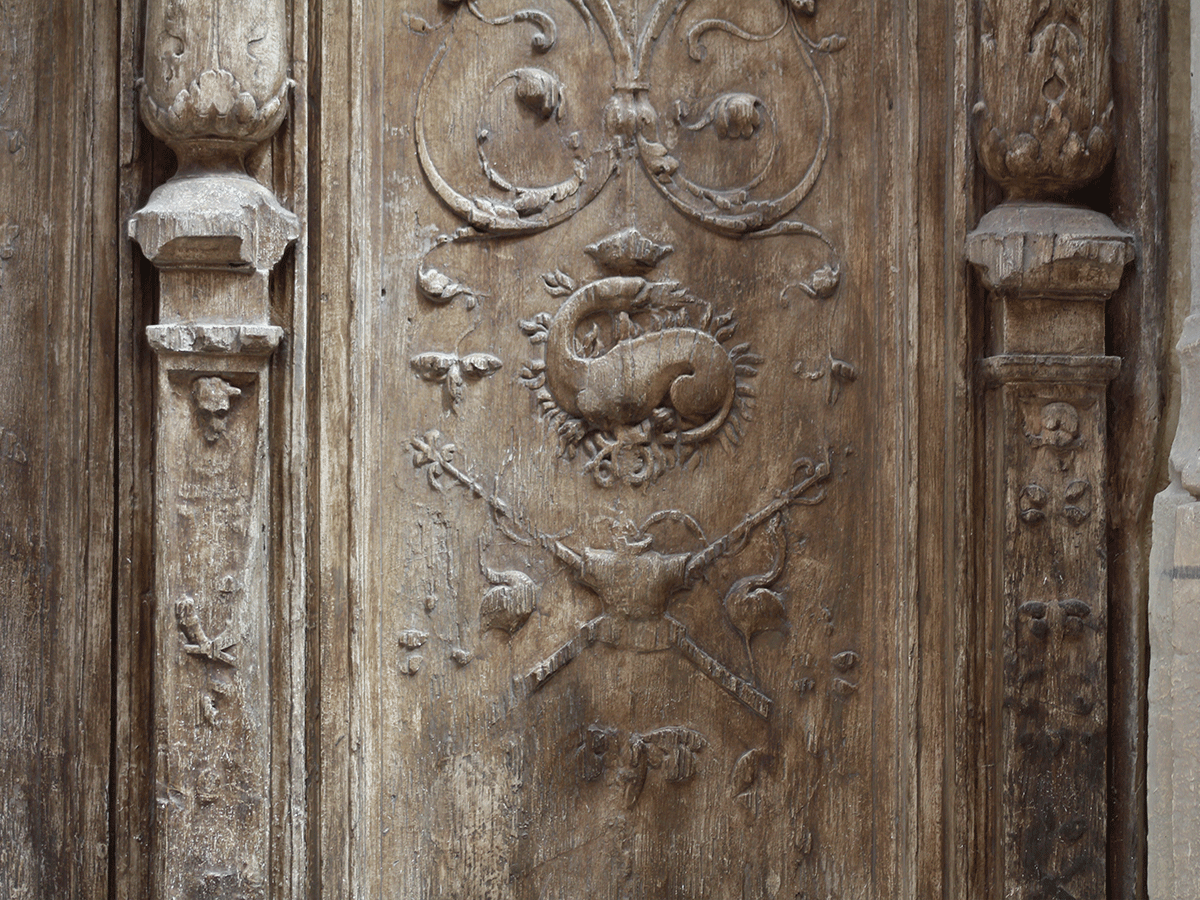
x=1045, y=116
x=438, y=287
x=214, y=105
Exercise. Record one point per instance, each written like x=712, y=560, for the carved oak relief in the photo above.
x=613, y=635
x=1045, y=130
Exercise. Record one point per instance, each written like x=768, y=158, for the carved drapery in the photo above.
x=1049, y=267
x=214, y=89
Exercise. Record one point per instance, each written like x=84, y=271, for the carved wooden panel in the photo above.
x=632, y=407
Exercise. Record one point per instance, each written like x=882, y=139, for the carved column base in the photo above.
x=223, y=220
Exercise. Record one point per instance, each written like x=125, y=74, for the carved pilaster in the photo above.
x=215, y=88
x=1049, y=268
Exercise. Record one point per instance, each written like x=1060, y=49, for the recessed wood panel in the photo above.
x=633, y=503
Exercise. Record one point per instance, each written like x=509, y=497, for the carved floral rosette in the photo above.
x=1045, y=114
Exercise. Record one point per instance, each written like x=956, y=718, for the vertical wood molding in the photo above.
x=1049, y=268
x=214, y=89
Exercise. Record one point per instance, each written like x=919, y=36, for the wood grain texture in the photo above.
x=498, y=741
x=57, y=332
x=1136, y=327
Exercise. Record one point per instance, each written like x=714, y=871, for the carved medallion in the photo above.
x=637, y=373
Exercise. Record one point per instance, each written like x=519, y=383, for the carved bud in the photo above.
x=1045, y=114
x=215, y=75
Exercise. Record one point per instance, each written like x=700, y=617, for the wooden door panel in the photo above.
x=632, y=513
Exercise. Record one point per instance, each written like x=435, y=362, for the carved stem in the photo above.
x=215, y=87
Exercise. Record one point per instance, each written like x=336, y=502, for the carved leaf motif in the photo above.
x=507, y=605
x=440, y=288
x=745, y=771
x=558, y=284
x=433, y=365
x=215, y=104
x=734, y=115
x=628, y=252
x=845, y=661
x=480, y=365
x=1076, y=608
x=411, y=638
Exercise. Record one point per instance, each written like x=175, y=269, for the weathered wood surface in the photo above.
x=57, y=332
x=1049, y=266
x=596, y=625
x=403, y=756
x=215, y=90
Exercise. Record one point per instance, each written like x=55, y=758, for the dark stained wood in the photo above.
x=1135, y=194
x=57, y=339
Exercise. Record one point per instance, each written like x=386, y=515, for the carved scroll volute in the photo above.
x=1045, y=118
x=215, y=88
x=1045, y=110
